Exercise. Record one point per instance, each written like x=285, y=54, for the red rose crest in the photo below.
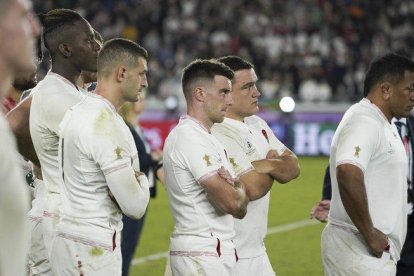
x=265, y=135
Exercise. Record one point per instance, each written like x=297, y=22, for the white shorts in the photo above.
x=345, y=253
x=258, y=266
x=168, y=271
x=38, y=257
x=203, y=265
x=218, y=258
x=50, y=219
x=75, y=258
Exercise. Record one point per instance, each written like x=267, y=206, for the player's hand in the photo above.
x=37, y=172
x=160, y=175
x=142, y=180
x=377, y=243
x=225, y=174
x=272, y=154
x=138, y=174
x=321, y=210
x=156, y=155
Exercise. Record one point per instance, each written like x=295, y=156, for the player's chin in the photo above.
x=133, y=98
x=406, y=112
x=253, y=110
x=220, y=119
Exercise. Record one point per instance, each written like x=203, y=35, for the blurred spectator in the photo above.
x=25, y=80
x=277, y=36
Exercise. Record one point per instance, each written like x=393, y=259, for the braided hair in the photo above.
x=54, y=23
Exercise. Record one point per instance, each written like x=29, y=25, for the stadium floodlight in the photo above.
x=171, y=103
x=287, y=104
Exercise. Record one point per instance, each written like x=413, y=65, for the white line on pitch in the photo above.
x=270, y=231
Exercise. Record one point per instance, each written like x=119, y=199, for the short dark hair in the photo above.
x=54, y=22
x=119, y=50
x=203, y=69
x=390, y=67
x=236, y=63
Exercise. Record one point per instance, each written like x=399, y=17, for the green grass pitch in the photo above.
x=293, y=245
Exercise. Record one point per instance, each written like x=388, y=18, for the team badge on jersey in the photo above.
x=118, y=152
x=249, y=146
x=265, y=135
x=207, y=159
x=357, y=151
x=233, y=163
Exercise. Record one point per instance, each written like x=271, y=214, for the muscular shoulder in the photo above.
x=188, y=136
x=229, y=129
x=54, y=96
x=96, y=113
x=362, y=120
x=254, y=120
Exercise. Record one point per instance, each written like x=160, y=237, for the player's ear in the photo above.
x=121, y=73
x=199, y=94
x=386, y=90
x=65, y=49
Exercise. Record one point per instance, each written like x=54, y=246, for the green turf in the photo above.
x=293, y=252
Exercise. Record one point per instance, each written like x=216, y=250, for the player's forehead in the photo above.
x=221, y=82
x=244, y=76
x=83, y=28
x=143, y=64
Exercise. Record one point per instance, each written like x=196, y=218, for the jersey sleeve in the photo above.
x=357, y=142
x=14, y=205
x=201, y=156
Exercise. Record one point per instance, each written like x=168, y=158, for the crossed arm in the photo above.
x=130, y=191
x=280, y=168
x=227, y=195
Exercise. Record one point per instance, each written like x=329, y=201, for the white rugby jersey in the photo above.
x=249, y=141
x=94, y=142
x=192, y=154
x=366, y=139
x=51, y=98
x=14, y=204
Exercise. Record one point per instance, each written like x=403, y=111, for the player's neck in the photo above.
x=201, y=117
x=6, y=80
x=107, y=91
x=80, y=83
x=234, y=116
x=68, y=72
x=14, y=94
x=381, y=104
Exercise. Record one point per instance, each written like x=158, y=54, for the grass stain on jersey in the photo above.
x=96, y=251
x=103, y=123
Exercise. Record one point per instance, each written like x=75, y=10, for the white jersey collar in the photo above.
x=188, y=117
x=235, y=123
x=108, y=103
x=65, y=80
x=376, y=108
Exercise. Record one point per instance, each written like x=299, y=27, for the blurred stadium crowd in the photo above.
x=312, y=50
